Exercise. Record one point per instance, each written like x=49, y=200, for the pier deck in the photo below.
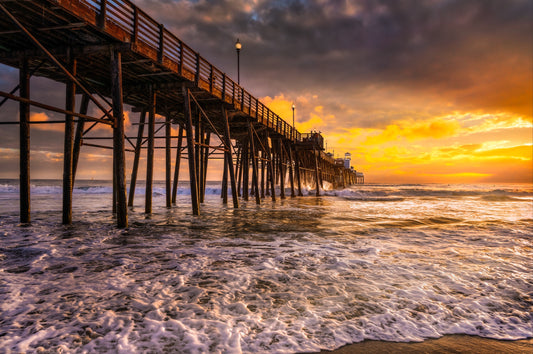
x=112, y=53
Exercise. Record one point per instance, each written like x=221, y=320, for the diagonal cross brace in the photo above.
x=56, y=61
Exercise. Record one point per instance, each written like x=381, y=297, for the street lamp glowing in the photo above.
x=293, y=130
x=238, y=47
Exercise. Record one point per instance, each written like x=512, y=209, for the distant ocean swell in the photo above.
x=361, y=192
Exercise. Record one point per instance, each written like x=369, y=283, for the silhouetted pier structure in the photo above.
x=112, y=53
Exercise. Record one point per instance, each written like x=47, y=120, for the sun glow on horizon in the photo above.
x=455, y=147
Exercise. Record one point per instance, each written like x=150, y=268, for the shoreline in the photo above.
x=451, y=343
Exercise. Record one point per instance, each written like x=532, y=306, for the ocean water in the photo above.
x=383, y=262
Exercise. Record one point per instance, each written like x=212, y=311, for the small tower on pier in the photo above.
x=347, y=160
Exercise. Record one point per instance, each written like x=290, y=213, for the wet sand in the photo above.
x=446, y=344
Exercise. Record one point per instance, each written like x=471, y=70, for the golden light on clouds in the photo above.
x=457, y=147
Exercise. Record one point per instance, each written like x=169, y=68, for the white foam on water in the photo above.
x=299, y=275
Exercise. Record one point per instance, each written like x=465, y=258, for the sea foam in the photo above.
x=298, y=275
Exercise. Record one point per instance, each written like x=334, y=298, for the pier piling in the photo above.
x=24, y=128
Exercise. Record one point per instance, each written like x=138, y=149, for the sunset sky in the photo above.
x=417, y=91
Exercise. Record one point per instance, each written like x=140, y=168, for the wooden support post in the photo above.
x=270, y=168
x=229, y=159
x=298, y=178
x=70, y=103
x=267, y=177
x=138, y=149
x=262, y=174
x=317, y=179
x=239, y=170
x=245, y=165
x=150, y=152
x=255, y=174
x=198, y=136
x=224, y=187
x=177, y=165
x=275, y=158
x=168, y=164
x=102, y=14
x=205, y=163
x=161, y=51
x=114, y=203
x=291, y=173
x=24, y=111
x=320, y=173
x=78, y=139
x=281, y=170
x=191, y=154
x=119, y=156
x=135, y=26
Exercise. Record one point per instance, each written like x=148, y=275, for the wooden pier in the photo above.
x=109, y=53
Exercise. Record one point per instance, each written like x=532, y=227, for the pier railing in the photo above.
x=127, y=23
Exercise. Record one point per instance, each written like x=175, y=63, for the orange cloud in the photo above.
x=435, y=128
x=308, y=115
x=43, y=117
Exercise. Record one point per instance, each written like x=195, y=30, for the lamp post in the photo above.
x=293, y=135
x=238, y=47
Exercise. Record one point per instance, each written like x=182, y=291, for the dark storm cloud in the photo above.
x=450, y=48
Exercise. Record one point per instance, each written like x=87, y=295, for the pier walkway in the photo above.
x=112, y=53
